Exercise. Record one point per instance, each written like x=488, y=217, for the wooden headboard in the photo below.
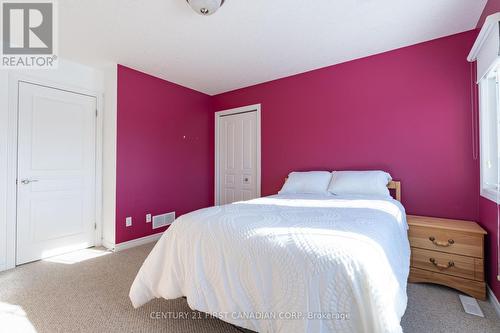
x=396, y=186
x=393, y=185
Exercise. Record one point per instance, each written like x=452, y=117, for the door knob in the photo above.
x=27, y=181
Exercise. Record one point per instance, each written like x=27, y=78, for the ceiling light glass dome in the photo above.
x=205, y=7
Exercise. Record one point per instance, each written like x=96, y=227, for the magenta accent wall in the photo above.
x=406, y=111
x=488, y=210
x=489, y=218
x=164, y=154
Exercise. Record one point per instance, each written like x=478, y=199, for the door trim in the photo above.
x=12, y=145
x=218, y=115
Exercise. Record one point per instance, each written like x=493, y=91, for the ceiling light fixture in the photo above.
x=205, y=7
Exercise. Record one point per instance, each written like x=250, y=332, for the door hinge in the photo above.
x=95, y=226
x=96, y=112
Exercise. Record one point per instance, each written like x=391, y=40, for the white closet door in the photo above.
x=56, y=172
x=237, y=157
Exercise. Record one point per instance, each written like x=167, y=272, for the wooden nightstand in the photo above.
x=448, y=252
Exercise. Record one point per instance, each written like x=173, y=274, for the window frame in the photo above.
x=485, y=138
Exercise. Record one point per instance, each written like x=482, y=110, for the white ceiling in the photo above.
x=249, y=41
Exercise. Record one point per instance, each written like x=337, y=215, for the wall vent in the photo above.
x=471, y=306
x=163, y=220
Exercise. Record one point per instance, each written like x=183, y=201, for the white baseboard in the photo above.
x=108, y=245
x=494, y=301
x=137, y=242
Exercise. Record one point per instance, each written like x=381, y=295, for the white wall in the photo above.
x=78, y=76
x=4, y=79
x=109, y=157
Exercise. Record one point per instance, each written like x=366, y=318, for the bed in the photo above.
x=287, y=263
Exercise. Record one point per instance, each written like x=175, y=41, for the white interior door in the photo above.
x=56, y=172
x=238, y=159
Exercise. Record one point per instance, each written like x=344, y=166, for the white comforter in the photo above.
x=286, y=263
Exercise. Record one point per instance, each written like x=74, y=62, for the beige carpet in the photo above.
x=70, y=295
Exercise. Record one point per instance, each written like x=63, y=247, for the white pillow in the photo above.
x=372, y=183
x=307, y=182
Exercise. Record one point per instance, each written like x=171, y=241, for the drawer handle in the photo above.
x=435, y=263
x=443, y=244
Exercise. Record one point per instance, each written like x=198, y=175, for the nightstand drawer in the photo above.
x=446, y=263
x=450, y=241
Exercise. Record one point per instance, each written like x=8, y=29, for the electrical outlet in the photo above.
x=148, y=218
x=128, y=222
